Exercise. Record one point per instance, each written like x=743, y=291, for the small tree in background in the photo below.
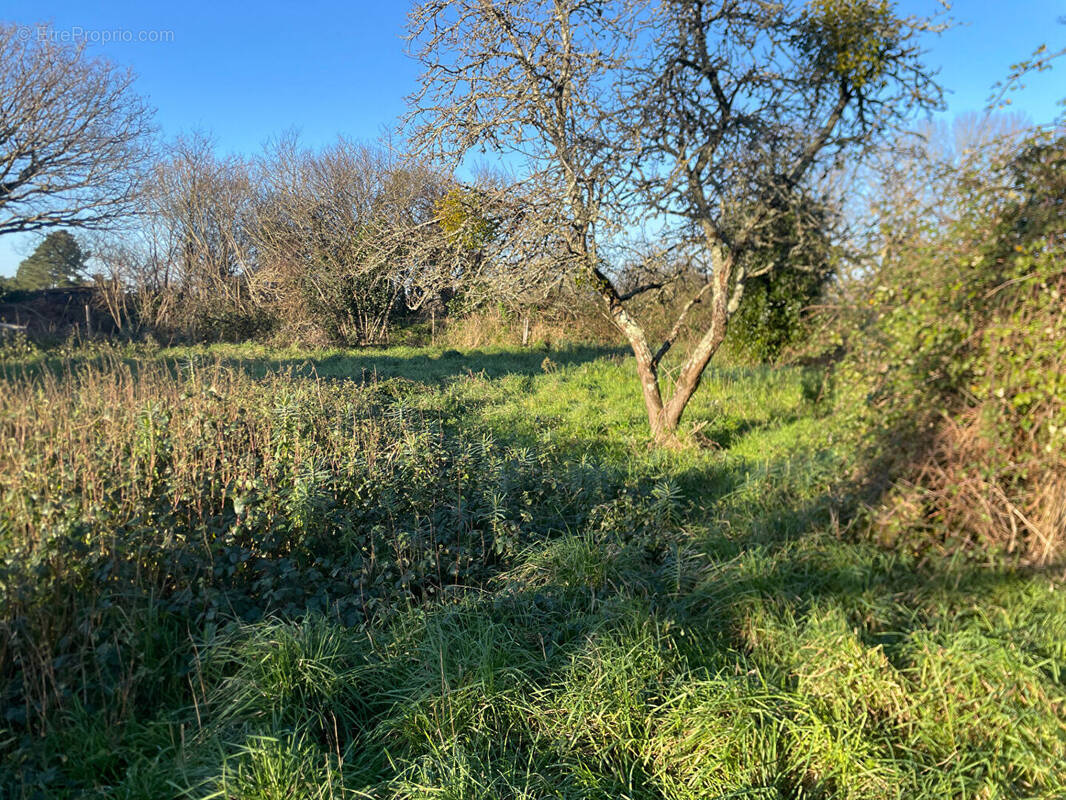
x=57, y=262
x=340, y=238
x=482, y=259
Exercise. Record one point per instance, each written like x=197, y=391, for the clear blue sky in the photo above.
x=245, y=73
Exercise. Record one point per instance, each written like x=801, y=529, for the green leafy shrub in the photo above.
x=772, y=316
x=960, y=371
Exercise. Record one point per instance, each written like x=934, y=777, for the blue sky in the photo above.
x=247, y=73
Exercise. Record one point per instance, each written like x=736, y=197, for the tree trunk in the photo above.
x=647, y=368
x=648, y=372
x=665, y=422
x=689, y=379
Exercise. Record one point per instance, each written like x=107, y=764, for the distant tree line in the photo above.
x=335, y=245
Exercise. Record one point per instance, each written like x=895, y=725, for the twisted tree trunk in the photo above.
x=664, y=417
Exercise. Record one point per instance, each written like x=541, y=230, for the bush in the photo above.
x=772, y=316
x=961, y=370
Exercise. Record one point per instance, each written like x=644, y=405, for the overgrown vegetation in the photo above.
x=247, y=573
x=958, y=359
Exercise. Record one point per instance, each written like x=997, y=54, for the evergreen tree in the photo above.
x=58, y=261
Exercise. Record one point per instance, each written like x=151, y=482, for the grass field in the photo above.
x=238, y=572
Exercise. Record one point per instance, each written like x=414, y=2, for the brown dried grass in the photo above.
x=974, y=495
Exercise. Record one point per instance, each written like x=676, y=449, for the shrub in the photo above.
x=961, y=371
x=772, y=316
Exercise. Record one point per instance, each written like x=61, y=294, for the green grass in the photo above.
x=552, y=609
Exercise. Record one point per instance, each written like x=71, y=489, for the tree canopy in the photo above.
x=75, y=140
x=57, y=262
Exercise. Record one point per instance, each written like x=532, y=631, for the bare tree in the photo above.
x=718, y=131
x=341, y=237
x=74, y=139
x=533, y=78
x=488, y=247
x=744, y=108
x=138, y=269
x=183, y=264
x=205, y=204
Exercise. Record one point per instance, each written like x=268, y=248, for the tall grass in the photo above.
x=239, y=580
x=139, y=497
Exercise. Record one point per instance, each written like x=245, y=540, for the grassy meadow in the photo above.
x=244, y=572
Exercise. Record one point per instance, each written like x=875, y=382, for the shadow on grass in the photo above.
x=431, y=368
x=573, y=672
x=428, y=368
x=557, y=674
x=538, y=676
